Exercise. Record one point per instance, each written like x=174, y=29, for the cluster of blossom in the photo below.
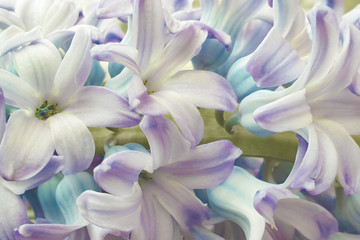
x=273, y=65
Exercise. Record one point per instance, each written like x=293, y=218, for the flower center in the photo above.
x=149, y=92
x=45, y=110
x=145, y=177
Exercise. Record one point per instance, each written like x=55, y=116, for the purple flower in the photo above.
x=157, y=85
x=318, y=106
x=151, y=194
x=55, y=109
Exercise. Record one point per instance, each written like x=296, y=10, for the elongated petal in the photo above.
x=45, y=231
x=61, y=15
x=206, y=166
x=313, y=221
x=73, y=140
x=325, y=34
x=118, y=53
x=32, y=13
x=22, y=158
x=189, y=211
x=119, y=173
x=108, y=211
x=203, y=89
x=178, y=52
x=101, y=107
x=14, y=37
x=53, y=167
x=185, y=114
x=274, y=62
x=18, y=93
x=114, y=8
x=287, y=113
x=2, y=115
x=316, y=163
x=37, y=65
x=166, y=143
x=149, y=229
x=285, y=14
x=234, y=201
x=148, y=30
x=12, y=213
x=75, y=67
x=347, y=150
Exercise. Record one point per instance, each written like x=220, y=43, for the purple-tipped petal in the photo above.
x=45, y=231
x=53, y=167
x=274, y=62
x=73, y=140
x=325, y=35
x=313, y=221
x=22, y=158
x=118, y=53
x=118, y=174
x=166, y=142
x=101, y=107
x=189, y=211
x=206, y=166
x=287, y=113
x=12, y=213
x=108, y=211
x=266, y=201
x=203, y=89
x=163, y=227
x=347, y=150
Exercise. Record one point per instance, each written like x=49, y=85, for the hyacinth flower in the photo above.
x=57, y=199
x=150, y=194
x=318, y=106
x=269, y=211
x=157, y=85
x=55, y=109
x=12, y=208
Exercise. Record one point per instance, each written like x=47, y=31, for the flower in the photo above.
x=55, y=109
x=142, y=187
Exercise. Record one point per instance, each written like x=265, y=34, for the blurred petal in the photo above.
x=101, y=107
x=73, y=140
x=45, y=231
x=2, y=115
x=206, y=166
x=22, y=158
x=114, y=8
x=12, y=213
x=166, y=142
